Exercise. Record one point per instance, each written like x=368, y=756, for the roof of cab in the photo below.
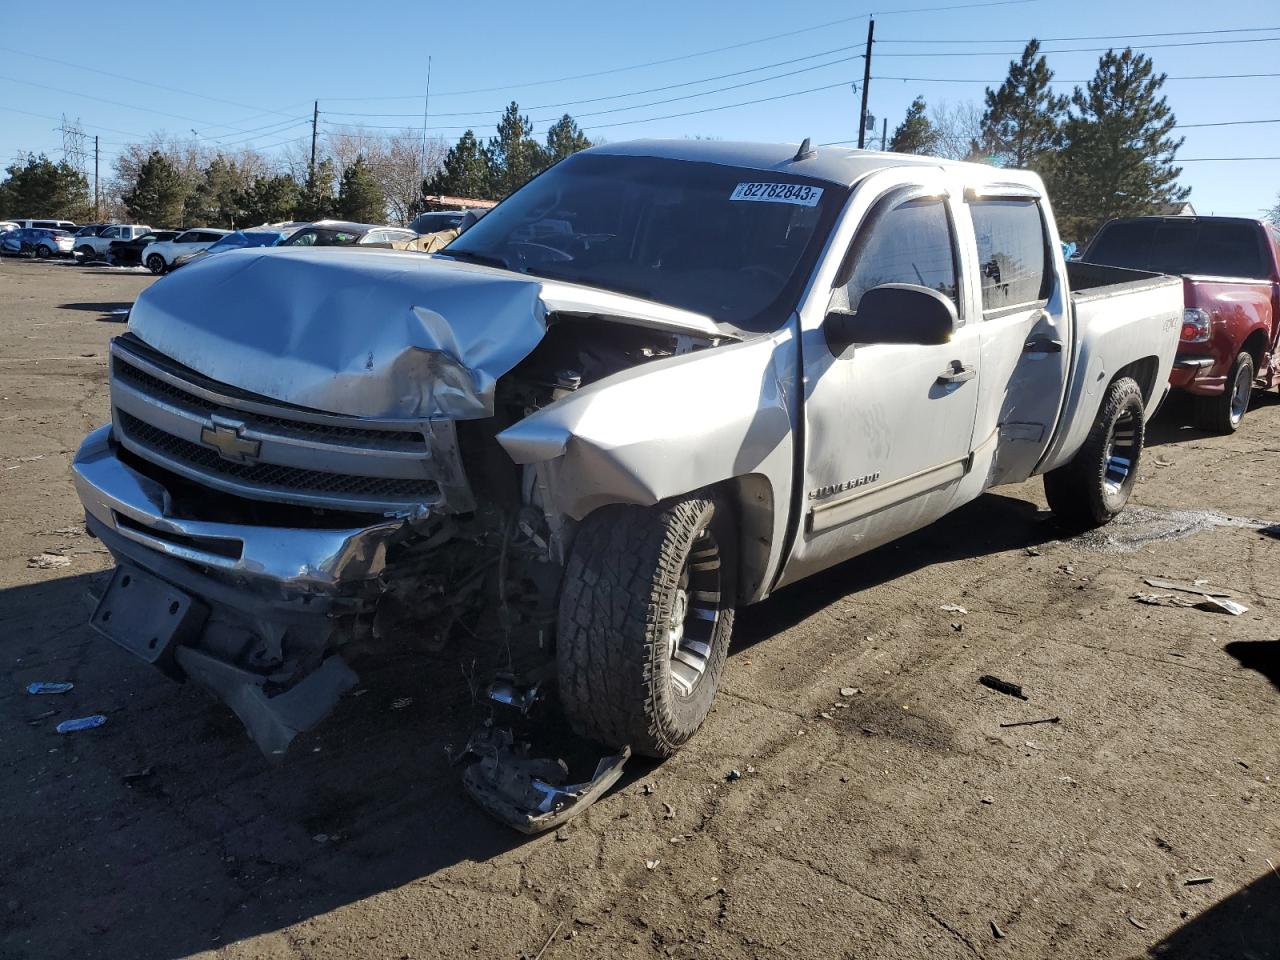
x=842, y=165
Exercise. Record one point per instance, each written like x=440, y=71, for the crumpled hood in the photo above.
x=367, y=333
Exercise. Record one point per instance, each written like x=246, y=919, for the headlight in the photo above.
x=1195, y=325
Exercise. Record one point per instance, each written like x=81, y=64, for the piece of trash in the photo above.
x=1222, y=605
x=321, y=838
x=81, y=723
x=668, y=811
x=1032, y=723
x=825, y=716
x=562, y=835
x=1002, y=686
x=1032, y=551
x=648, y=789
x=849, y=691
x=996, y=931
x=734, y=774
x=1196, y=881
x=988, y=800
x=48, y=561
x=750, y=769
x=1242, y=763
x=42, y=716
x=1138, y=923
x=651, y=864
x=1197, y=587
x=49, y=686
x=401, y=703
x=952, y=608
x=531, y=794
x=142, y=774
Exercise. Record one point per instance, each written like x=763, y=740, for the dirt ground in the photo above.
x=897, y=822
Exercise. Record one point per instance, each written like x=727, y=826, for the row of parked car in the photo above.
x=136, y=244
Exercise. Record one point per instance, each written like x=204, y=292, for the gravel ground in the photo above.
x=898, y=821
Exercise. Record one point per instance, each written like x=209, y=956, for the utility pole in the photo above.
x=96, y=202
x=422, y=162
x=884, y=133
x=866, y=84
x=315, y=119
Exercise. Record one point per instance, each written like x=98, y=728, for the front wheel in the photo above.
x=43, y=252
x=155, y=263
x=1224, y=413
x=646, y=611
x=87, y=252
x=1097, y=483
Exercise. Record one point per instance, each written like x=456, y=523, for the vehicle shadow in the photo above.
x=104, y=307
x=990, y=524
x=1262, y=656
x=1245, y=924
x=1175, y=423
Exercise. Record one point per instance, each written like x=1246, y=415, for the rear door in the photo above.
x=888, y=427
x=1025, y=326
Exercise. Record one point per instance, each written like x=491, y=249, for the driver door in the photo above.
x=888, y=427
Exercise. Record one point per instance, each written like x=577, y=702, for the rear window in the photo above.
x=1013, y=257
x=1220, y=248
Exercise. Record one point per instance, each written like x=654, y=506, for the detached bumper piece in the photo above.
x=530, y=794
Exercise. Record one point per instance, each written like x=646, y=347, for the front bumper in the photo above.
x=280, y=601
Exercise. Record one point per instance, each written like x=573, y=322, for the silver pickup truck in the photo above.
x=654, y=386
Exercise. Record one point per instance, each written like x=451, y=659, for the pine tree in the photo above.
x=564, y=137
x=1117, y=159
x=318, y=201
x=360, y=199
x=215, y=202
x=39, y=187
x=515, y=157
x=915, y=134
x=271, y=200
x=465, y=172
x=158, y=194
x=1023, y=118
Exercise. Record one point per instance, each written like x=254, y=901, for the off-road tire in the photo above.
x=1084, y=493
x=617, y=598
x=156, y=264
x=1217, y=413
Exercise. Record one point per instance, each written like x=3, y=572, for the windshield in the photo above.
x=1220, y=248
x=322, y=237
x=732, y=243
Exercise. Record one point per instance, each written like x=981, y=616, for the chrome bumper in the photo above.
x=137, y=508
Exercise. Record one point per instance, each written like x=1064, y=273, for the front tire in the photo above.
x=1224, y=413
x=1097, y=483
x=155, y=263
x=646, y=612
x=88, y=253
x=43, y=252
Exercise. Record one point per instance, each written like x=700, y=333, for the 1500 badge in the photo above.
x=832, y=489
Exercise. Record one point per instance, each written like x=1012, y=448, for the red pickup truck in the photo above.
x=1230, y=269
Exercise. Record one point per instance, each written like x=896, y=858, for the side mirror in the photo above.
x=892, y=313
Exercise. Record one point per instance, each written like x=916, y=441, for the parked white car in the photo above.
x=97, y=245
x=46, y=225
x=159, y=256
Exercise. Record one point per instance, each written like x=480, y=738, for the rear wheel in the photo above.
x=1097, y=483
x=1224, y=413
x=43, y=252
x=645, y=618
x=155, y=263
x=87, y=252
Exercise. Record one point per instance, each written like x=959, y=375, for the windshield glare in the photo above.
x=734, y=244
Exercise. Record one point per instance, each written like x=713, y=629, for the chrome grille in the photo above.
x=161, y=412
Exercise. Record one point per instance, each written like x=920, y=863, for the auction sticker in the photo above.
x=801, y=194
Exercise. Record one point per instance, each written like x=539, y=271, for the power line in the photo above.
x=45, y=116
x=1116, y=36
x=1015, y=53
x=702, y=53
x=1220, y=159
x=1206, y=76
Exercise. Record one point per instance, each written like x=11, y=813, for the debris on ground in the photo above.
x=1222, y=605
x=1032, y=551
x=531, y=794
x=48, y=561
x=1002, y=686
x=42, y=716
x=652, y=864
x=1196, y=881
x=988, y=800
x=1214, y=604
x=1138, y=923
x=734, y=774
x=1032, y=723
x=668, y=811
x=849, y=691
x=952, y=608
x=131, y=778
x=1272, y=531
x=81, y=723
x=1199, y=587
x=648, y=789
x=401, y=702
x=49, y=686
x=996, y=931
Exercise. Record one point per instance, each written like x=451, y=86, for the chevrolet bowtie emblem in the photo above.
x=226, y=439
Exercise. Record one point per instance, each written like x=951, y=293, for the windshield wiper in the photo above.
x=487, y=259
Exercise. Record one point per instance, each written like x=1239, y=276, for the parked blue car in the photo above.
x=239, y=240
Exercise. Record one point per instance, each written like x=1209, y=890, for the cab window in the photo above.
x=909, y=243
x=1013, y=253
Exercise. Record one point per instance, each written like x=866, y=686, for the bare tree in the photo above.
x=959, y=127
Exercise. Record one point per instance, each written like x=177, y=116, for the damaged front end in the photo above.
x=303, y=460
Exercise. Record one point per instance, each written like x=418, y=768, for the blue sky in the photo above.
x=247, y=72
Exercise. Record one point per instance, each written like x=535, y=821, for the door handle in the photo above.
x=957, y=373
x=1042, y=345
